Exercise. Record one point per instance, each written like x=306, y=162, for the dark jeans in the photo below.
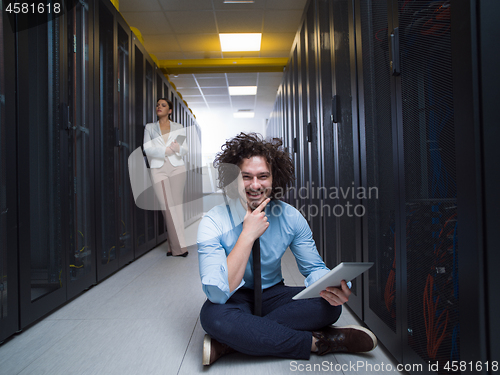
x=284, y=330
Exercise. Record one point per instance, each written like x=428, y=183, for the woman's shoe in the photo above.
x=169, y=254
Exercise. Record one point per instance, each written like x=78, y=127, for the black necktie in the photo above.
x=257, y=282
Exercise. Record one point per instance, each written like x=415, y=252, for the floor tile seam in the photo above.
x=187, y=346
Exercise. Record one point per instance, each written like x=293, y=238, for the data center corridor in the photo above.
x=145, y=320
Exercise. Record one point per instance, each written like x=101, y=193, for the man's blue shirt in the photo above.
x=219, y=230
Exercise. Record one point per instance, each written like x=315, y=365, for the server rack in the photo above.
x=9, y=288
x=71, y=114
x=161, y=92
x=114, y=242
x=145, y=224
x=408, y=103
x=78, y=145
x=306, y=72
x=489, y=54
x=40, y=174
x=125, y=137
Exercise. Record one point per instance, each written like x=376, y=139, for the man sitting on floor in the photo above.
x=287, y=328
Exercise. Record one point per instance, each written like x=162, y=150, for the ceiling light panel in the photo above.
x=242, y=90
x=240, y=42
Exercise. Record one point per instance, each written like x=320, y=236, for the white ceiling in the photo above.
x=188, y=29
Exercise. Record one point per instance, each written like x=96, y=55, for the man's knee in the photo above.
x=333, y=312
x=218, y=320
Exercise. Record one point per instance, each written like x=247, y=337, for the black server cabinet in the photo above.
x=490, y=81
x=54, y=154
x=343, y=198
x=411, y=227
x=143, y=91
x=124, y=144
x=428, y=231
x=474, y=28
x=410, y=89
x=114, y=226
x=295, y=124
x=326, y=122
x=78, y=148
x=161, y=92
x=41, y=177
x=107, y=204
x=379, y=174
x=302, y=172
x=55, y=148
x=313, y=128
x=9, y=303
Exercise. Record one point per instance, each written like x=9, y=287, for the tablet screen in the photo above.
x=344, y=271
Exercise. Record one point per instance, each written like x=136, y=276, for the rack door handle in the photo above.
x=395, y=63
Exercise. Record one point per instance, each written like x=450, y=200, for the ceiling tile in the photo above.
x=187, y=91
x=217, y=99
x=183, y=4
x=212, y=81
x=249, y=21
x=193, y=99
x=148, y=22
x=286, y=4
x=197, y=106
x=215, y=91
x=282, y=21
x=161, y=43
x=219, y=105
x=241, y=79
x=199, y=42
x=139, y=6
x=184, y=81
x=270, y=79
x=243, y=102
x=277, y=41
x=267, y=97
x=191, y=22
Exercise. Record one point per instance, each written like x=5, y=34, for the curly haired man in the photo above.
x=287, y=328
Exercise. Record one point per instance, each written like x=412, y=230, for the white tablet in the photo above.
x=344, y=271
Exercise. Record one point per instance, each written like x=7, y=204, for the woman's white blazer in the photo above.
x=155, y=144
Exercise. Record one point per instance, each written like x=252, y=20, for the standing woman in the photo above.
x=165, y=144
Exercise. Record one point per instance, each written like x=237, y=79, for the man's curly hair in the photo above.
x=244, y=146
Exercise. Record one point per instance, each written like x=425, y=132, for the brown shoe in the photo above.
x=348, y=339
x=213, y=350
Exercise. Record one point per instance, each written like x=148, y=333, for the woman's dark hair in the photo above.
x=244, y=146
x=170, y=106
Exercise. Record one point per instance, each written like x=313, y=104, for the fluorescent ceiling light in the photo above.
x=240, y=42
x=242, y=90
x=239, y=1
x=244, y=113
